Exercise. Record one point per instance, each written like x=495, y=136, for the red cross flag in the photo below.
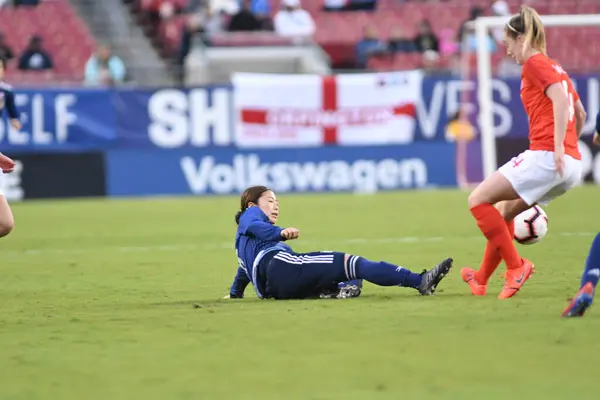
x=310, y=110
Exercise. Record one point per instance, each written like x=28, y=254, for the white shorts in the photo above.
x=533, y=176
x=1, y=183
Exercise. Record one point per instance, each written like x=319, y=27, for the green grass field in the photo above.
x=97, y=302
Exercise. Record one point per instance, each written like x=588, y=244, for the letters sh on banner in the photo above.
x=310, y=111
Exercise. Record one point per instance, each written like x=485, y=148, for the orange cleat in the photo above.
x=468, y=275
x=515, y=279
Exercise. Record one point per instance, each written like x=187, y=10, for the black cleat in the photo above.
x=434, y=276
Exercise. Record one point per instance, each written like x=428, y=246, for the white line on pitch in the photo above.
x=229, y=245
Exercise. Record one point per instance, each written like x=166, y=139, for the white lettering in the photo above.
x=204, y=117
x=245, y=170
x=430, y=120
x=167, y=111
x=179, y=119
x=64, y=118
x=39, y=135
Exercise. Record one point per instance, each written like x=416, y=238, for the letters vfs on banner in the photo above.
x=310, y=110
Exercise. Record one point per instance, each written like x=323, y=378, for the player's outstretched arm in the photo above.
x=12, y=111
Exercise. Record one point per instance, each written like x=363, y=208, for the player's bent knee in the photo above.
x=474, y=199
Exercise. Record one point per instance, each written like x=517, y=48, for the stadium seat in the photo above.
x=338, y=32
x=65, y=37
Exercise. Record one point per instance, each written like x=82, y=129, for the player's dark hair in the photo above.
x=250, y=195
x=529, y=24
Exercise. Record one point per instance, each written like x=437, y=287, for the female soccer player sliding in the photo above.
x=584, y=298
x=550, y=167
x=276, y=271
x=6, y=164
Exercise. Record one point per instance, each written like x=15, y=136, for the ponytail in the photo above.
x=529, y=24
x=237, y=217
x=535, y=37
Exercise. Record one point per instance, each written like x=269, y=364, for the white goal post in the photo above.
x=482, y=26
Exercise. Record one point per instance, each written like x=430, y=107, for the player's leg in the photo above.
x=385, y=274
x=477, y=280
x=7, y=221
x=583, y=300
x=494, y=189
x=306, y=275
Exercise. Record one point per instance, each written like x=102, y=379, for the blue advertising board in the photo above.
x=226, y=171
x=102, y=119
x=182, y=141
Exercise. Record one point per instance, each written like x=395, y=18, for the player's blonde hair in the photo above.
x=529, y=24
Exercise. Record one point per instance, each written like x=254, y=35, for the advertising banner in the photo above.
x=266, y=111
x=227, y=171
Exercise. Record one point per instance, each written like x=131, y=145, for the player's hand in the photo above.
x=7, y=165
x=559, y=159
x=596, y=139
x=16, y=124
x=290, y=233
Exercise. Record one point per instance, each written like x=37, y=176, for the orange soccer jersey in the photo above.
x=539, y=72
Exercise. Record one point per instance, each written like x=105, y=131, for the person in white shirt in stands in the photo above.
x=293, y=21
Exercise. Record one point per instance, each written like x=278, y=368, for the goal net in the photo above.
x=495, y=108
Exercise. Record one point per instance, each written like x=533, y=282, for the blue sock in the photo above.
x=381, y=273
x=592, y=264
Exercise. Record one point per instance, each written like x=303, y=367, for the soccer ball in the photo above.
x=531, y=226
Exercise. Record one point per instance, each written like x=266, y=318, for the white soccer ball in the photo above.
x=531, y=225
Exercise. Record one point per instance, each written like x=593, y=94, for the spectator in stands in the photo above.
x=18, y=3
x=231, y=7
x=244, y=20
x=426, y=39
x=349, y=5
x=448, y=45
x=370, y=45
x=35, y=58
x=104, y=68
x=6, y=52
x=475, y=13
x=399, y=43
x=262, y=10
x=293, y=21
x=430, y=63
x=467, y=37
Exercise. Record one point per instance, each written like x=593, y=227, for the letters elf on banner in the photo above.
x=311, y=110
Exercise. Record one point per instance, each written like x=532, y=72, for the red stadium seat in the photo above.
x=65, y=36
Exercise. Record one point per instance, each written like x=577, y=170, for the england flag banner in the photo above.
x=273, y=110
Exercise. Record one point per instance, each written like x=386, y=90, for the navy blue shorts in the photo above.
x=302, y=275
